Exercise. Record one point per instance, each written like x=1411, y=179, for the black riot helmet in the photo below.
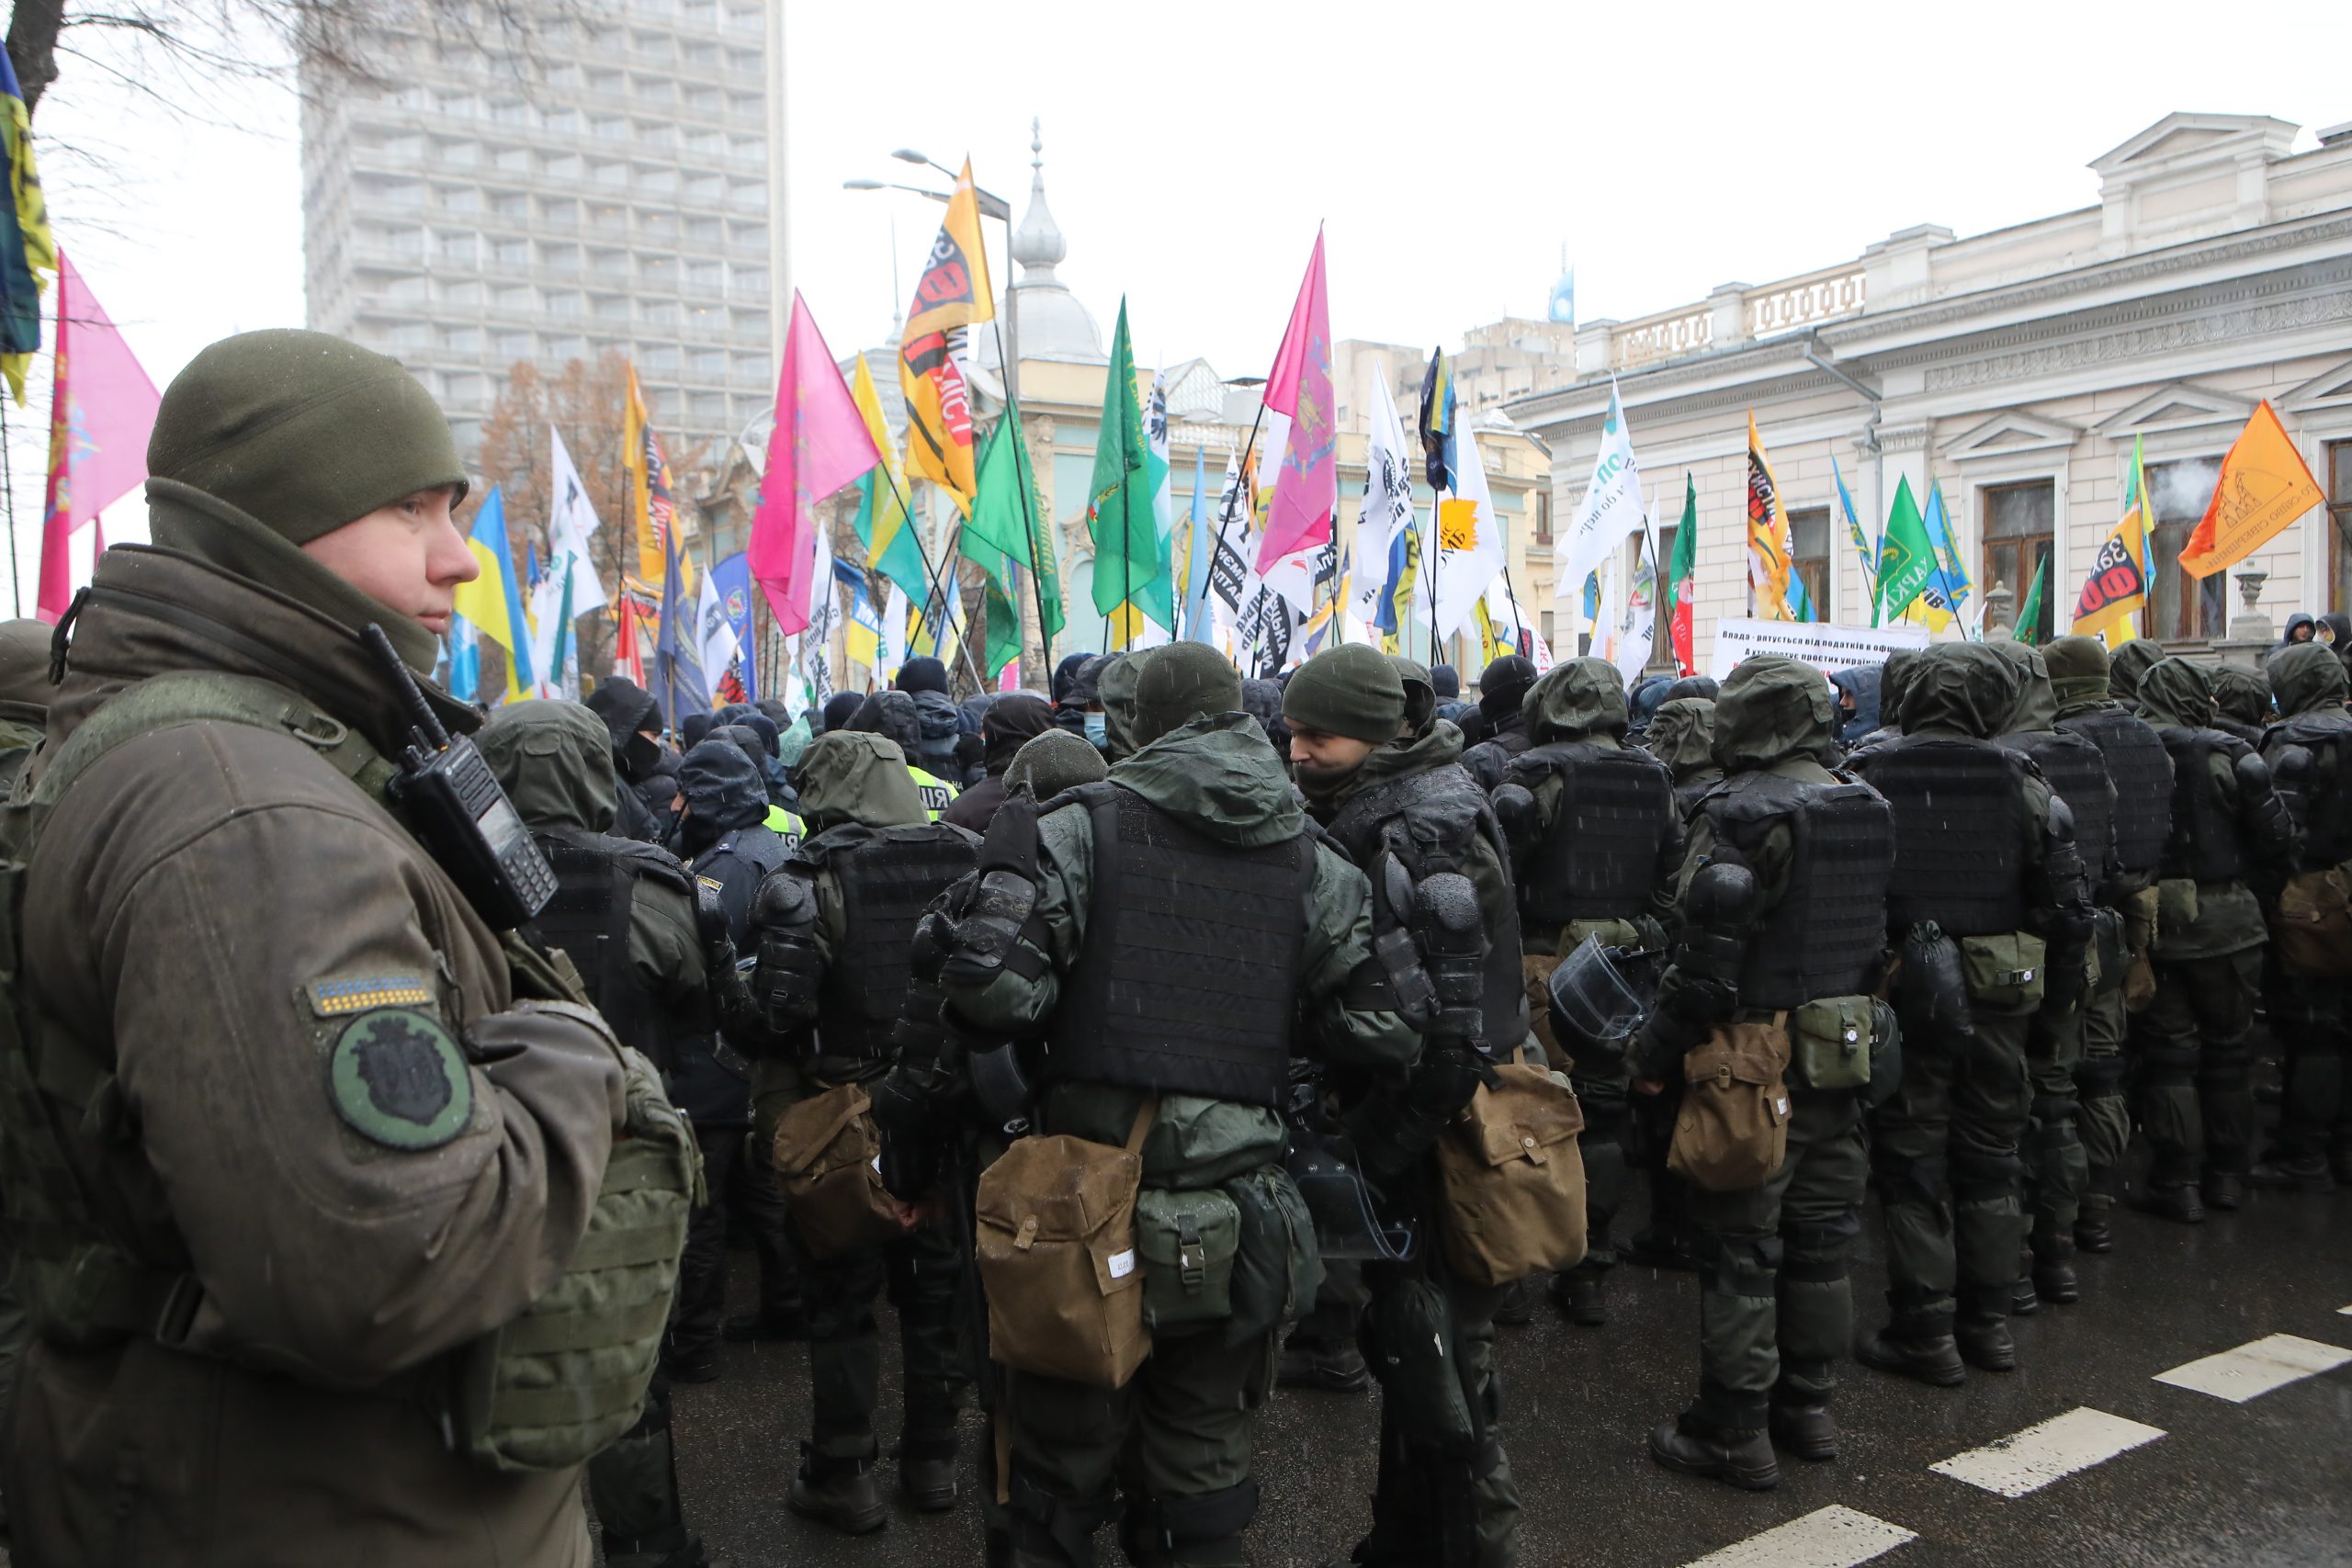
x=1599, y=997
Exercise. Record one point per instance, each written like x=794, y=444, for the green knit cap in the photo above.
x=1351, y=690
x=301, y=431
x=1179, y=684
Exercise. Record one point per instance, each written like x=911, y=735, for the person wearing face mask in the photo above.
x=1380, y=774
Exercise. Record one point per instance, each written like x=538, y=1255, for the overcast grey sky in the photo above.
x=1452, y=150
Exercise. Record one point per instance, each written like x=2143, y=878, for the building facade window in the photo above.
x=1543, y=517
x=2186, y=608
x=1808, y=555
x=2018, y=520
x=2340, y=519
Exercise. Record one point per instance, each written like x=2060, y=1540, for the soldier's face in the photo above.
x=1321, y=749
x=408, y=556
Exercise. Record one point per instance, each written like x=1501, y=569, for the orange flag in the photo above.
x=2265, y=485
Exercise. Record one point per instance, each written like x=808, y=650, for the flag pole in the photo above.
x=8, y=488
x=1021, y=472
x=931, y=578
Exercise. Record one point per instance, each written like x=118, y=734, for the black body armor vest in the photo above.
x=1187, y=981
x=1488, y=761
x=588, y=919
x=1432, y=822
x=2142, y=774
x=2206, y=844
x=2321, y=791
x=1829, y=931
x=1959, y=813
x=1599, y=858
x=2076, y=770
x=887, y=876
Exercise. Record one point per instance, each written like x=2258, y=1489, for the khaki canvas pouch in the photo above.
x=1512, y=1178
x=827, y=1160
x=1054, y=1236
x=2314, y=926
x=1732, y=1131
x=2004, y=971
x=1829, y=1042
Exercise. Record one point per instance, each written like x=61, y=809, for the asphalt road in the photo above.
x=2267, y=1481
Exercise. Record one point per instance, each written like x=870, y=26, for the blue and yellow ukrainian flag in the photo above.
x=28, y=254
x=492, y=601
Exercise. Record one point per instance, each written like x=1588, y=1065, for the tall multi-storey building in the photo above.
x=603, y=187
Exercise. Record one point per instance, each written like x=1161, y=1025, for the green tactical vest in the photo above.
x=546, y=1392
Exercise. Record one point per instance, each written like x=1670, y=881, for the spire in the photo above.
x=1038, y=245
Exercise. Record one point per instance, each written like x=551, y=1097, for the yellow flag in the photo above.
x=648, y=486
x=952, y=294
x=2263, y=486
x=1767, y=535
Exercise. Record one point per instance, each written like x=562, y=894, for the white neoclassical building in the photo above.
x=2016, y=369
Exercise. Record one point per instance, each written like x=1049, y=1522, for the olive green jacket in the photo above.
x=193, y=889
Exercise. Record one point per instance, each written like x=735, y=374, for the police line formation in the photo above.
x=378, y=1079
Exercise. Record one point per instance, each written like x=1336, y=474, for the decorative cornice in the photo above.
x=2312, y=310
x=1904, y=438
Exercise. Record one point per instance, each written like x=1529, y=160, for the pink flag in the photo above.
x=100, y=417
x=819, y=444
x=1307, y=488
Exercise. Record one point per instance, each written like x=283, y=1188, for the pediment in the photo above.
x=2189, y=137
x=2180, y=406
x=2331, y=388
x=2009, y=432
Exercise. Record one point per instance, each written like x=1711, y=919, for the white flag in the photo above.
x=1387, y=502
x=1469, y=540
x=1607, y=611
x=1637, y=623
x=890, y=647
x=571, y=519
x=1612, y=506
x=715, y=633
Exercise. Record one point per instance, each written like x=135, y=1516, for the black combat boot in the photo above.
x=2024, y=1299
x=2224, y=1189
x=2054, y=1280
x=1808, y=1431
x=1744, y=1457
x=2294, y=1173
x=1920, y=1348
x=1517, y=1309
x=1983, y=1331
x=927, y=1462
x=1330, y=1366
x=839, y=1491
x=2178, y=1202
x=765, y=1327
x=1577, y=1293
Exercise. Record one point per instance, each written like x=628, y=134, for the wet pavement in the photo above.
x=2266, y=1482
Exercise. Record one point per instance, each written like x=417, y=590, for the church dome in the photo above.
x=1052, y=324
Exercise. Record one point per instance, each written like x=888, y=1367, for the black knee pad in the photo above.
x=1926, y=1179
x=1745, y=1267
x=1978, y=1176
x=1818, y=1250
x=1151, y=1529
x=2100, y=1078
x=1046, y=1523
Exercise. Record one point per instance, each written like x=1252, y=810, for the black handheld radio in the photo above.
x=454, y=805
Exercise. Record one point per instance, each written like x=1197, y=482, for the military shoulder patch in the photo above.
x=399, y=1080
x=364, y=993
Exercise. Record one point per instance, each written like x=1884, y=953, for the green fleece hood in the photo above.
x=2129, y=665
x=856, y=776
x=2306, y=677
x=1682, y=735
x=1577, y=699
x=2241, y=695
x=1960, y=688
x=555, y=762
x=1116, y=689
x=2175, y=694
x=1218, y=776
x=1895, y=684
x=2037, y=705
x=2078, y=672
x=1771, y=709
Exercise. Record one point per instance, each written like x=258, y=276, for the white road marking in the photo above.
x=2258, y=1368
x=1834, y=1537
x=2053, y=1450
x=2344, y=1312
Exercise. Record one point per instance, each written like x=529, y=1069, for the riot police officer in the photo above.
x=2195, y=1098
x=1407, y=815
x=2058, y=1170
x=1682, y=735
x=2310, y=753
x=723, y=834
x=1782, y=915
x=1596, y=842
x=835, y=928
x=1989, y=905
x=624, y=913
x=1235, y=929
x=2124, y=917
x=1501, y=724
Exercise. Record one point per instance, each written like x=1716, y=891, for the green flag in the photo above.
x=1906, y=559
x=2030, y=613
x=1008, y=527
x=1004, y=630
x=1119, y=509
x=902, y=558
x=1681, y=582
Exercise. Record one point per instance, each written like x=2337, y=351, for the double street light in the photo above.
x=991, y=205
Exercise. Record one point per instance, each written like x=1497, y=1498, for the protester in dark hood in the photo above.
x=840, y=708
x=1446, y=681
x=895, y=716
x=2335, y=630
x=1004, y=729
x=691, y=730
x=719, y=791
x=1420, y=695
x=1501, y=727
x=1893, y=679
x=1070, y=706
x=633, y=720
x=1858, y=693
x=657, y=795
x=1081, y=712
x=1704, y=687
x=2302, y=626
x=1641, y=703
x=1262, y=700
x=2241, y=703
x=925, y=679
